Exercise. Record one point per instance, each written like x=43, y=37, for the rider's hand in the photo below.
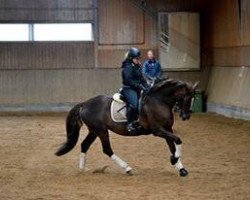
x=145, y=89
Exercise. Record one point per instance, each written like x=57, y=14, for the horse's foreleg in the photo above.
x=108, y=151
x=174, y=143
x=163, y=133
x=176, y=160
x=90, y=138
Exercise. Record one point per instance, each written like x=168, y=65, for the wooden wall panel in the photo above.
x=226, y=32
x=226, y=23
x=23, y=15
x=110, y=58
x=46, y=55
x=221, y=26
x=230, y=86
x=120, y=23
x=245, y=22
x=56, y=86
x=231, y=56
x=45, y=4
x=177, y=5
x=46, y=10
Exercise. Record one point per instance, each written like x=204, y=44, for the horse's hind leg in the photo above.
x=104, y=137
x=175, y=157
x=90, y=138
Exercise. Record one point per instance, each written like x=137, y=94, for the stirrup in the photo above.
x=131, y=129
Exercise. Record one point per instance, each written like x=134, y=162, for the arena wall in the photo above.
x=227, y=40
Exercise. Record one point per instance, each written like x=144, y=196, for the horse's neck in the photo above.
x=171, y=98
x=169, y=101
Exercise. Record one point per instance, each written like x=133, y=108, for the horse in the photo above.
x=155, y=116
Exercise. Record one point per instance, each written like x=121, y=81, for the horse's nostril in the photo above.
x=184, y=117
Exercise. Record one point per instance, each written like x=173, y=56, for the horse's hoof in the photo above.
x=173, y=160
x=129, y=173
x=183, y=172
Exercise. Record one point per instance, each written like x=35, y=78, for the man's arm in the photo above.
x=159, y=71
x=145, y=71
x=144, y=68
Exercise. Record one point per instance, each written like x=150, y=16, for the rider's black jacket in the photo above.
x=132, y=76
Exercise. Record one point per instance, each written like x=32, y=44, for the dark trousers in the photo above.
x=132, y=98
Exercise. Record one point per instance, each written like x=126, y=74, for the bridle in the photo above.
x=184, y=111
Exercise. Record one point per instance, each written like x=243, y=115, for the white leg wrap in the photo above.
x=177, y=153
x=178, y=165
x=82, y=161
x=121, y=163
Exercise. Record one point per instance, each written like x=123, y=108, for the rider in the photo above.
x=133, y=83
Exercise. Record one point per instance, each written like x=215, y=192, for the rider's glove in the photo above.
x=144, y=88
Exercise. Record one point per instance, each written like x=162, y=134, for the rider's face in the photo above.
x=136, y=61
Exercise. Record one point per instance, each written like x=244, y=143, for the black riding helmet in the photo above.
x=133, y=53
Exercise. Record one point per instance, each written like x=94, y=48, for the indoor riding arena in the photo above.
x=55, y=54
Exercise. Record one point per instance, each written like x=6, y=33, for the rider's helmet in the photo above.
x=133, y=53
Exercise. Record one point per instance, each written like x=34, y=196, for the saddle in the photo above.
x=118, y=108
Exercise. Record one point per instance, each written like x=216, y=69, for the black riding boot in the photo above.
x=131, y=117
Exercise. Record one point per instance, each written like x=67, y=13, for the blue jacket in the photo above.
x=151, y=68
x=132, y=76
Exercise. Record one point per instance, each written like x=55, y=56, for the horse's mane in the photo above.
x=168, y=83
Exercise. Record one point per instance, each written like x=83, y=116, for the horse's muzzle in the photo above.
x=185, y=115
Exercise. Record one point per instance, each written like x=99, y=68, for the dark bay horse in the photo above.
x=156, y=117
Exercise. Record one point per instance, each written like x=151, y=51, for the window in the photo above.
x=46, y=32
x=14, y=32
x=63, y=32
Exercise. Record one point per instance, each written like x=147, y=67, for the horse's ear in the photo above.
x=195, y=85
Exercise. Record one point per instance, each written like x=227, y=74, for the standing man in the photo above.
x=151, y=68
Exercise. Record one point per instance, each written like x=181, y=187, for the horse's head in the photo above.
x=185, y=99
x=176, y=92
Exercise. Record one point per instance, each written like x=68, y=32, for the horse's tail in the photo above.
x=73, y=126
